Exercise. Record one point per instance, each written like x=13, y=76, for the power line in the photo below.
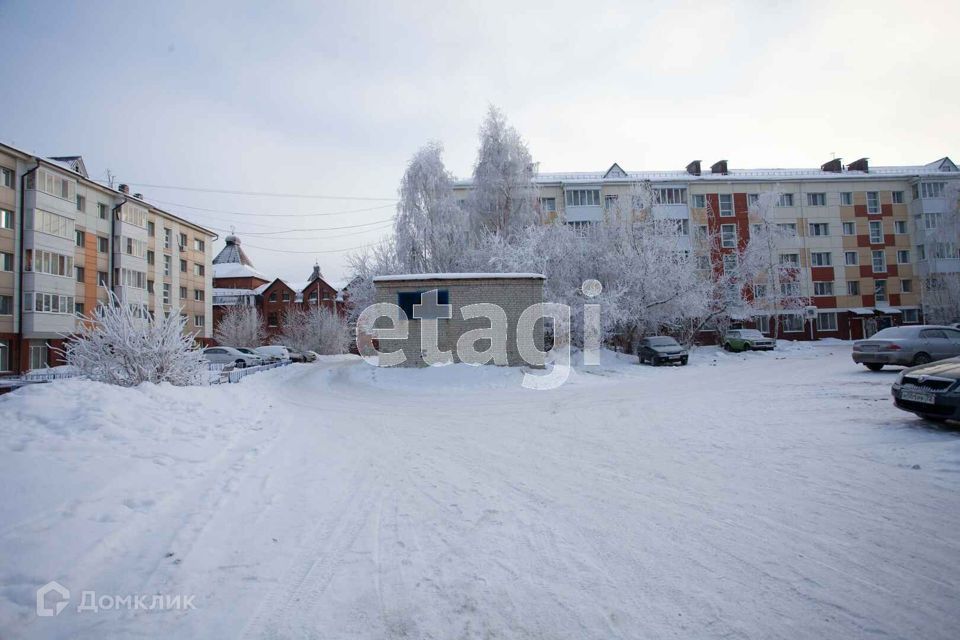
x=363, y=246
x=275, y=215
x=349, y=226
x=256, y=193
x=383, y=227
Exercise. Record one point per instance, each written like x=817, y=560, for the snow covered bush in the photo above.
x=124, y=345
x=315, y=329
x=241, y=326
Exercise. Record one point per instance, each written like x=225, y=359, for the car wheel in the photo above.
x=921, y=358
x=727, y=347
x=655, y=361
x=683, y=362
x=937, y=419
x=240, y=364
x=873, y=366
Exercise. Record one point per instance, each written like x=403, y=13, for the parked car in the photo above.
x=747, y=339
x=229, y=355
x=251, y=352
x=296, y=356
x=659, y=350
x=273, y=352
x=907, y=346
x=931, y=391
x=311, y=356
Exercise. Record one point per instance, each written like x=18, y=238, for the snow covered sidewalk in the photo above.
x=755, y=495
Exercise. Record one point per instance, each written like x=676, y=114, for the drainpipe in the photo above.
x=20, y=296
x=113, y=228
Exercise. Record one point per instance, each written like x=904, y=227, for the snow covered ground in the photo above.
x=775, y=495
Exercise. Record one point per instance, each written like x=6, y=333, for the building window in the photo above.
x=683, y=226
x=900, y=226
x=151, y=228
x=898, y=197
x=198, y=295
x=81, y=273
x=183, y=266
x=166, y=293
x=548, y=205
x=271, y=319
x=167, y=265
x=81, y=203
x=700, y=201
x=610, y=202
x=880, y=290
x=6, y=219
x=816, y=199
x=791, y=288
x=879, y=261
x=903, y=256
x=876, y=232
x=6, y=177
x=198, y=269
x=198, y=321
x=728, y=236
x=183, y=241
x=199, y=245
x=50, y=223
x=103, y=244
x=819, y=229
x=583, y=198
x=853, y=288
x=81, y=238
x=911, y=316
x=906, y=286
x=79, y=308
x=55, y=264
x=183, y=293
x=729, y=262
x=752, y=199
x=823, y=288
x=788, y=229
x=827, y=321
x=102, y=210
x=932, y=189
x=849, y=228
x=273, y=297
x=791, y=322
x=38, y=355
x=47, y=303
x=286, y=296
x=167, y=238
x=851, y=258
x=102, y=278
x=150, y=286
x=726, y=205
x=151, y=257
x=873, y=202
x=6, y=305
x=790, y=259
x=786, y=200
x=762, y=323
x=846, y=198
x=670, y=196
x=6, y=261
x=821, y=259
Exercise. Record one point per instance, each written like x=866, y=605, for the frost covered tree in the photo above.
x=504, y=197
x=431, y=233
x=123, y=344
x=939, y=234
x=241, y=326
x=315, y=329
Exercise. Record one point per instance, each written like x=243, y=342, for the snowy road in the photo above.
x=745, y=496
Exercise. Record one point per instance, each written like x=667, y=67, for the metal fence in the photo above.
x=217, y=373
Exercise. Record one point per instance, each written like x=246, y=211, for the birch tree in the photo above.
x=241, y=326
x=939, y=234
x=315, y=329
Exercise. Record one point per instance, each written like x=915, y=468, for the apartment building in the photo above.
x=66, y=240
x=861, y=237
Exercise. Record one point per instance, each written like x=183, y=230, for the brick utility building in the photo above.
x=237, y=282
x=65, y=240
x=512, y=292
x=862, y=237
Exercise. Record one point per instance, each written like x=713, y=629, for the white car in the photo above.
x=252, y=353
x=273, y=352
x=229, y=355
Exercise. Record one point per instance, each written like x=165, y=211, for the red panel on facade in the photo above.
x=826, y=302
x=822, y=274
x=892, y=270
x=863, y=241
x=860, y=210
x=868, y=301
x=889, y=240
x=866, y=271
x=886, y=209
x=895, y=299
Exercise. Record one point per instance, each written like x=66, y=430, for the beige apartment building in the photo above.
x=861, y=236
x=66, y=240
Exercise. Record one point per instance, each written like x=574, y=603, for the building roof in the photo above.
x=943, y=166
x=236, y=270
x=403, y=277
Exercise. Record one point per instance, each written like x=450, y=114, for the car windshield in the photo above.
x=892, y=333
x=662, y=342
x=751, y=333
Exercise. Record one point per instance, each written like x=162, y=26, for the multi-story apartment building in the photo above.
x=859, y=235
x=67, y=240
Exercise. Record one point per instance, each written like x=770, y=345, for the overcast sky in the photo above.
x=306, y=98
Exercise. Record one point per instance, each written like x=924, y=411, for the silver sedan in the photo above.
x=907, y=346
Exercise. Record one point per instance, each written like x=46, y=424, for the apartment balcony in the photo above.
x=938, y=265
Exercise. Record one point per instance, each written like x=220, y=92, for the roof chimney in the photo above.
x=694, y=168
x=124, y=188
x=859, y=165
x=316, y=272
x=720, y=166
x=833, y=166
